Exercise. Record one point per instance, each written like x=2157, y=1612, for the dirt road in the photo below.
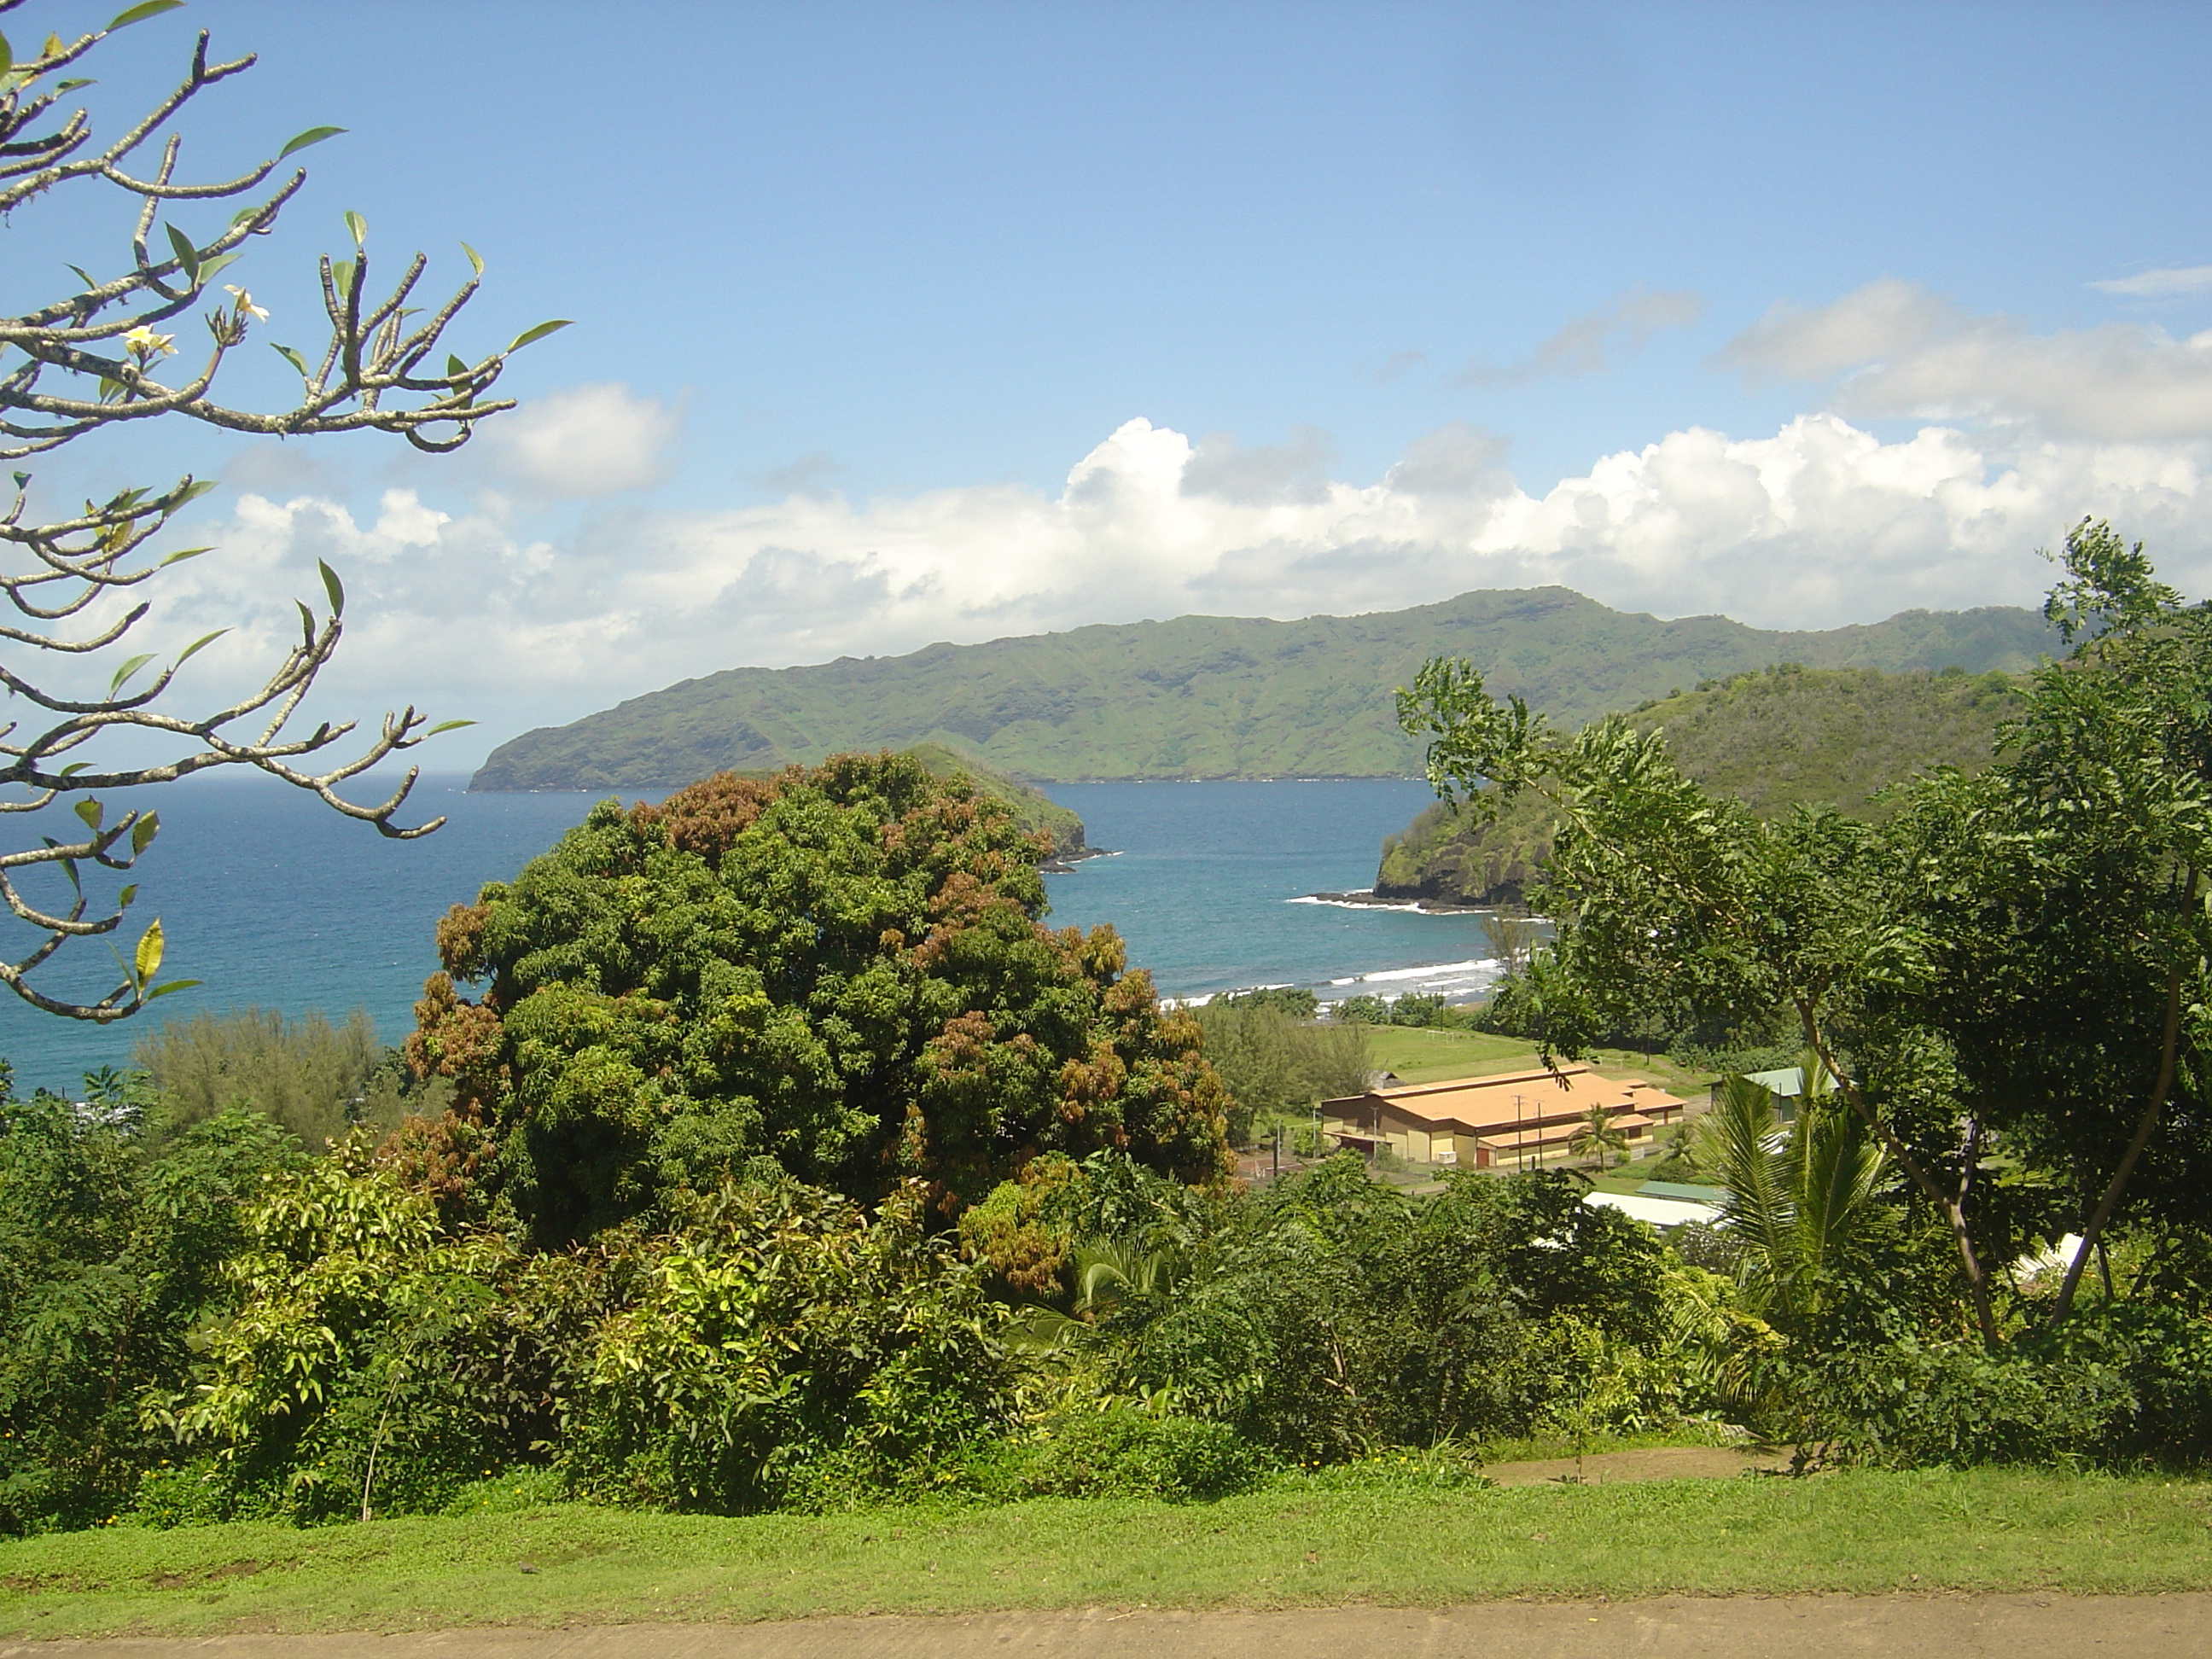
x=1801, y=1627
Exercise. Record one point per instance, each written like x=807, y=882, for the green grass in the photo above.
x=1314, y=1540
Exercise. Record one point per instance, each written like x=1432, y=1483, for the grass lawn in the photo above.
x=1309, y=1540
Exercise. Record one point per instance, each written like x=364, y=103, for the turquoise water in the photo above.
x=275, y=901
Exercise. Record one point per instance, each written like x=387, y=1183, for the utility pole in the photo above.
x=1278, y=1175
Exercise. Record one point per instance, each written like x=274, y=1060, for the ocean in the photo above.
x=272, y=900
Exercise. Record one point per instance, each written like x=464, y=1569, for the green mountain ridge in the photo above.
x=1211, y=697
x=1773, y=739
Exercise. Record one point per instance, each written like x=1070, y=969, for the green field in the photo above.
x=1311, y=1540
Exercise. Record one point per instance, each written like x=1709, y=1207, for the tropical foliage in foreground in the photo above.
x=784, y=1159
x=2006, y=979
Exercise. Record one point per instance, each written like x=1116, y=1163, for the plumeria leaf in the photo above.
x=539, y=332
x=290, y=356
x=208, y=267
x=123, y=898
x=204, y=640
x=163, y=990
x=307, y=619
x=342, y=277
x=357, y=227
x=192, y=492
x=178, y=558
x=334, y=588
x=475, y=259
x=91, y=812
x=147, y=959
x=71, y=86
x=144, y=831
x=312, y=135
x=128, y=670
x=7, y=55
x=141, y=12
x=84, y=276
x=447, y=726
x=187, y=255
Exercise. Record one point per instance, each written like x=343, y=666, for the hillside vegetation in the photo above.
x=1032, y=809
x=1784, y=737
x=1211, y=697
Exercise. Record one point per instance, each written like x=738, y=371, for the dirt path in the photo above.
x=1802, y=1627
x=1654, y=1463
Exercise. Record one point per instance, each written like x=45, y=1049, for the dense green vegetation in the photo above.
x=1030, y=809
x=1781, y=737
x=2005, y=979
x=1211, y=697
x=790, y=1163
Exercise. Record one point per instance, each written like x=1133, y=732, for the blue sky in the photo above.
x=1791, y=312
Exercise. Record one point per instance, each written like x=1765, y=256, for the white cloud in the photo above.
x=2158, y=284
x=1820, y=523
x=1602, y=340
x=1903, y=352
x=585, y=441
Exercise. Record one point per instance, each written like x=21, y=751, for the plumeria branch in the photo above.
x=100, y=357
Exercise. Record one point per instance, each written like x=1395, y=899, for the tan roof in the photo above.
x=1505, y=1101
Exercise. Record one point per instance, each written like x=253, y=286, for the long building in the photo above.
x=1504, y=1120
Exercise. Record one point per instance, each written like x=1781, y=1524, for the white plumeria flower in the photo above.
x=245, y=305
x=142, y=343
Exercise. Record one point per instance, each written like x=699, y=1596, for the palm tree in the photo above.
x=1598, y=1136
x=1796, y=1199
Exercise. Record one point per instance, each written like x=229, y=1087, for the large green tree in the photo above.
x=2006, y=980
x=842, y=969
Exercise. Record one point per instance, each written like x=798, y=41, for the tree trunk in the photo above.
x=2145, y=1126
x=1954, y=1207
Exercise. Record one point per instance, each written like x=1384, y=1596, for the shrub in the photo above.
x=1126, y=1452
x=307, y=1074
x=110, y=1255
x=1956, y=1404
x=1275, y=1064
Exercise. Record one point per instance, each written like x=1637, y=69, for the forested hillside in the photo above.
x=1211, y=697
x=1773, y=739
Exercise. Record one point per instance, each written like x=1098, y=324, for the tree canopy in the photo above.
x=2006, y=980
x=841, y=969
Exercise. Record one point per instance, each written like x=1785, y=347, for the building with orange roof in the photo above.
x=1504, y=1120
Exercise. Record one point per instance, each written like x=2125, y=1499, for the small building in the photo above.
x=1786, y=1085
x=1505, y=1121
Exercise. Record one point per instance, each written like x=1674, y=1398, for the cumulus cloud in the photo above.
x=1903, y=352
x=1819, y=524
x=583, y=442
x=2158, y=284
x=1603, y=339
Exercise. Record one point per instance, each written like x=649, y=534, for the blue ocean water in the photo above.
x=1211, y=888
x=272, y=900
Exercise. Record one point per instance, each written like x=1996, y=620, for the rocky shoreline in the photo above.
x=1368, y=898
